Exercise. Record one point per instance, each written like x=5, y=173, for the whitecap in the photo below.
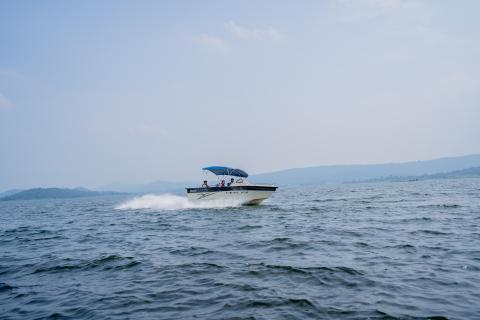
x=171, y=202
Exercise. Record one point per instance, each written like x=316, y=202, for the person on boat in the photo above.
x=231, y=182
x=205, y=184
x=222, y=184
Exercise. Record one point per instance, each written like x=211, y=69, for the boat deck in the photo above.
x=232, y=188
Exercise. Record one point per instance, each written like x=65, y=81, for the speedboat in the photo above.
x=237, y=191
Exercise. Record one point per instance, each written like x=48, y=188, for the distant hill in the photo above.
x=453, y=167
x=349, y=173
x=54, y=193
x=323, y=174
x=465, y=173
x=9, y=192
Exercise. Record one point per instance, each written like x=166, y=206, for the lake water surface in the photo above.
x=354, y=251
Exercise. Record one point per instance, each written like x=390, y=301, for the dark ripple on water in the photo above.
x=378, y=251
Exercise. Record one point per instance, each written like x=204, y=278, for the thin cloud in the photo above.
x=211, y=42
x=4, y=102
x=352, y=10
x=148, y=130
x=245, y=33
x=372, y=4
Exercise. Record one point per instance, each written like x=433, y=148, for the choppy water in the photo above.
x=378, y=251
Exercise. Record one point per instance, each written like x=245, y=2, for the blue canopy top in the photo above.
x=226, y=171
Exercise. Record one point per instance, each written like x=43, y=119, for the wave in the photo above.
x=309, y=270
x=431, y=232
x=445, y=206
x=5, y=287
x=110, y=262
x=275, y=302
x=171, y=202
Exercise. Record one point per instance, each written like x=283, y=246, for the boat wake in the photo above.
x=171, y=202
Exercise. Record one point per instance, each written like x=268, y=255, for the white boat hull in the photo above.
x=235, y=197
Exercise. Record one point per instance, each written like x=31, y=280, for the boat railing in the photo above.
x=263, y=184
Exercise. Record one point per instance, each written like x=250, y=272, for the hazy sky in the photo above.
x=95, y=92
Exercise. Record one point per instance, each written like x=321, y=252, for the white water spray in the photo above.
x=170, y=202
